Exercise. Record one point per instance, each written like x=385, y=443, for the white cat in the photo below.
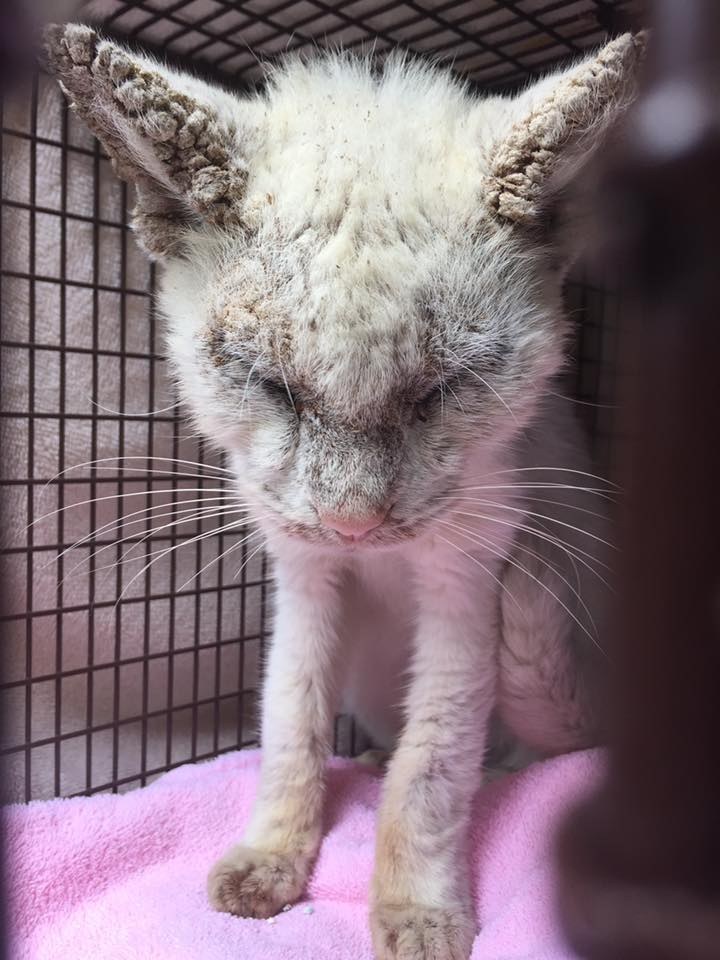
x=364, y=306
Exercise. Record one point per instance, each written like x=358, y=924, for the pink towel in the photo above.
x=123, y=877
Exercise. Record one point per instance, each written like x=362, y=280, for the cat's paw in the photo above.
x=256, y=883
x=421, y=933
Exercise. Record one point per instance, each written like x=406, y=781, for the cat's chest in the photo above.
x=384, y=577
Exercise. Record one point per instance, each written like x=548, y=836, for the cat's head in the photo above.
x=362, y=291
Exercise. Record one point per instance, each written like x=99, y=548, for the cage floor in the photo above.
x=98, y=859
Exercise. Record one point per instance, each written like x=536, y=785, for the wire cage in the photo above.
x=141, y=648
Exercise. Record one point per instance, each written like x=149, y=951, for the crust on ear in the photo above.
x=176, y=148
x=558, y=121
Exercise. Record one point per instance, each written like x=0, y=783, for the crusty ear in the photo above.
x=556, y=124
x=180, y=141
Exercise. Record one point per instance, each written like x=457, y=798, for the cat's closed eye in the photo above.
x=424, y=407
x=280, y=391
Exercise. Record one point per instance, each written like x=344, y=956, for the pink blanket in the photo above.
x=116, y=877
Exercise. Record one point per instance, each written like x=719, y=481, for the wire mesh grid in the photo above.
x=110, y=673
x=491, y=41
x=124, y=659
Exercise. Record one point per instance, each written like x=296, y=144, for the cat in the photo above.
x=362, y=286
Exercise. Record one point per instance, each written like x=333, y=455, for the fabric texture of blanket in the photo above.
x=123, y=877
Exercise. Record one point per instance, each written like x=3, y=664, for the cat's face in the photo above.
x=361, y=305
x=351, y=405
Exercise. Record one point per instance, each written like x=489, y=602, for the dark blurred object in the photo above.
x=616, y=20
x=16, y=44
x=641, y=860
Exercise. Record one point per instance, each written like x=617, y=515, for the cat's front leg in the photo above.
x=421, y=903
x=271, y=866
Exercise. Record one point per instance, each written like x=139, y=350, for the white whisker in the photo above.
x=122, y=413
x=596, y=491
x=441, y=380
x=202, y=536
x=576, y=551
x=247, y=560
x=133, y=493
x=231, y=548
x=482, y=567
x=141, y=474
x=195, y=513
x=144, y=515
x=126, y=554
x=580, y=473
x=584, y=403
x=556, y=503
x=545, y=562
x=245, y=395
x=472, y=535
x=457, y=398
x=561, y=545
x=484, y=382
x=287, y=388
x=540, y=516
x=145, y=459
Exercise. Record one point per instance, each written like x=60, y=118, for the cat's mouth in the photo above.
x=389, y=533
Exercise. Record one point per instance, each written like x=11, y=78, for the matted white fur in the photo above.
x=364, y=311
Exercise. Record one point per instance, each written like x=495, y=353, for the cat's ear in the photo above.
x=551, y=129
x=181, y=142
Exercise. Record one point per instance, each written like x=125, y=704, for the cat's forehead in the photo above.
x=357, y=312
x=355, y=334
x=342, y=147
x=355, y=207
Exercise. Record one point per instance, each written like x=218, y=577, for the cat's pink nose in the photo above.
x=354, y=528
